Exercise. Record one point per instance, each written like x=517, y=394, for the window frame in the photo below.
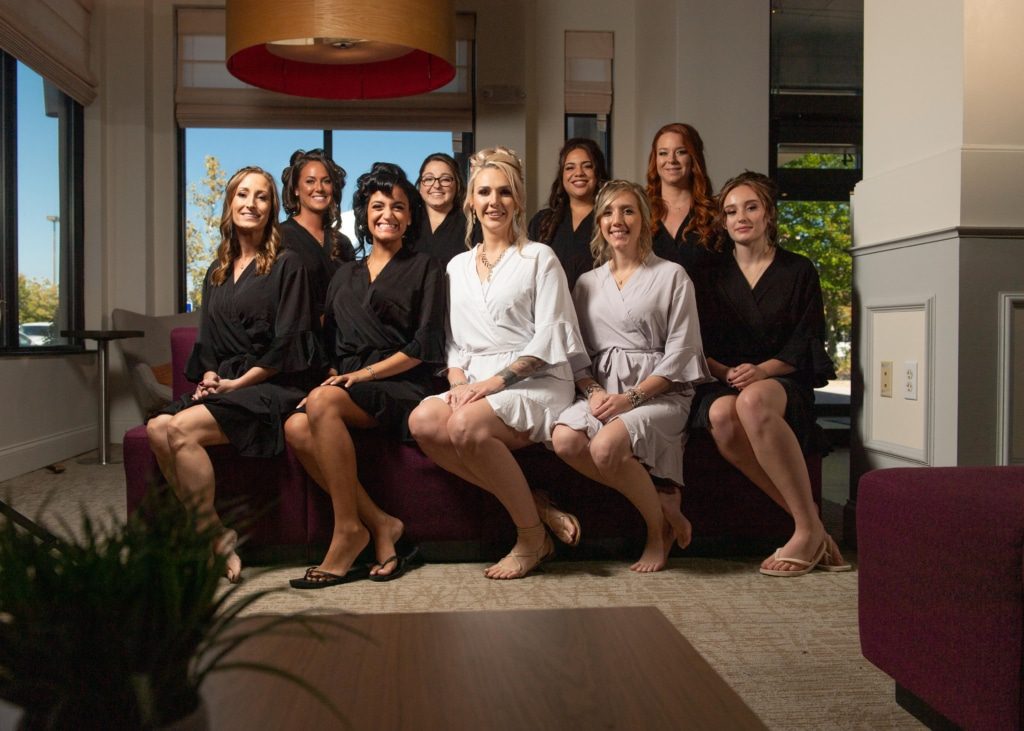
x=72, y=216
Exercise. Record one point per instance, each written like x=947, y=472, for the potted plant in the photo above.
x=118, y=628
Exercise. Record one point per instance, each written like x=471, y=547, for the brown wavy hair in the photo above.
x=599, y=247
x=766, y=191
x=508, y=162
x=229, y=250
x=702, y=210
x=290, y=177
x=558, y=201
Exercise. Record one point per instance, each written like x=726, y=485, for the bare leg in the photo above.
x=609, y=459
x=760, y=409
x=385, y=529
x=156, y=431
x=733, y=444
x=189, y=432
x=671, y=508
x=429, y=426
x=482, y=445
x=330, y=413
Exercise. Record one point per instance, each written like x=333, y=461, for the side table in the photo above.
x=102, y=338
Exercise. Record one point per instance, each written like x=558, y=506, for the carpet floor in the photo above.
x=789, y=647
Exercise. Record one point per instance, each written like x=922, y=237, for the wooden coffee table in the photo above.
x=603, y=668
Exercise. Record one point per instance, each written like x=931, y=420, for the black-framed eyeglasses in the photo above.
x=445, y=181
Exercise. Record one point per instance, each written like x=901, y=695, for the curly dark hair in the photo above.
x=290, y=177
x=558, y=201
x=702, y=219
x=384, y=177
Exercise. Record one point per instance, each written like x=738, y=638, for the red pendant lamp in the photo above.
x=342, y=49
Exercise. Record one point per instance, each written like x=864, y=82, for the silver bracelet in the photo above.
x=589, y=390
x=458, y=383
x=373, y=376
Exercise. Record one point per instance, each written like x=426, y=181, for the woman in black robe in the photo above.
x=567, y=224
x=680, y=193
x=254, y=360
x=384, y=323
x=442, y=232
x=763, y=324
x=311, y=188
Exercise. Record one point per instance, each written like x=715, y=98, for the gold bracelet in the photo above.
x=373, y=376
x=636, y=396
x=458, y=383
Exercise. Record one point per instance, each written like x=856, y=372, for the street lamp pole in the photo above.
x=54, y=220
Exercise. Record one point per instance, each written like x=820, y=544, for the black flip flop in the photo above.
x=356, y=573
x=402, y=564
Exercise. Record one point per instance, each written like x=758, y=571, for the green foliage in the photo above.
x=116, y=630
x=202, y=232
x=38, y=300
x=821, y=231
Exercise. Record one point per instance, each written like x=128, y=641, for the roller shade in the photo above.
x=588, y=72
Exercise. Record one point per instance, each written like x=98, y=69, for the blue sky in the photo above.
x=355, y=151
x=38, y=178
x=38, y=164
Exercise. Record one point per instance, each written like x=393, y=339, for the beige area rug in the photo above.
x=789, y=647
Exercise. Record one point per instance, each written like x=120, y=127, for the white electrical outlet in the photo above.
x=910, y=380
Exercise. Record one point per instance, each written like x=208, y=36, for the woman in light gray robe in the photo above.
x=638, y=317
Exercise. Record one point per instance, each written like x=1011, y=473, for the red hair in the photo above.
x=702, y=210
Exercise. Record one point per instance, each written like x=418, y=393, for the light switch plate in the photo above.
x=885, y=383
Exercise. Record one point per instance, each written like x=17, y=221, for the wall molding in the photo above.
x=1008, y=303
x=27, y=456
x=938, y=236
x=917, y=456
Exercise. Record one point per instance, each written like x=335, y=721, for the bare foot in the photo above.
x=346, y=545
x=385, y=537
x=533, y=547
x=564, y=526
x=670, y=508
x=833, y=560
x=655, y=554
x=225, y=546
x=805, y=547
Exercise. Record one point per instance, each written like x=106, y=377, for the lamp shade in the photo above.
x=342, y=49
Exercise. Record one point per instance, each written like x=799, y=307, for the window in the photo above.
x=588, y=87
x=815, y=136
x=40, y=256
x=213, y=155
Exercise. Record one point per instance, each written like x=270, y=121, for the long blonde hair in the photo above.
x=229, y=249
x=600, y=249
x=508, y=163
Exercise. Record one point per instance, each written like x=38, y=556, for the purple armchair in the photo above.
x=941, y=585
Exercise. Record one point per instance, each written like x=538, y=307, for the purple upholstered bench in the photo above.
x=941, y=582
x=457, y=520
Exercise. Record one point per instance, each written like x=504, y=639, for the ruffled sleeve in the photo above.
x=683, y=360
x=295, y=347
x=805, y=347
x=556, y=338
x=428, y=343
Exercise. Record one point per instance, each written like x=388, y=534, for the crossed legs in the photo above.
x=476, y=445
x=179, y=443
x=608, y=458
x=322, y=441
x=751, y=433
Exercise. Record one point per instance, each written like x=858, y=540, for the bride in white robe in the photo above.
x=512, y=346
x=638, y=316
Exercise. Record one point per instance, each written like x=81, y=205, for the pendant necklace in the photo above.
x=486, y=263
